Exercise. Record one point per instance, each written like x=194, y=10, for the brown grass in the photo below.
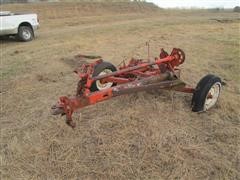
x=137, y=136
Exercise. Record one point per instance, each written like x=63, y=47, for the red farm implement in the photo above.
x=100, y=81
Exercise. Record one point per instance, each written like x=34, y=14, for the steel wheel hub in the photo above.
x=26, y=34
x=212, y=96
x=101, y=85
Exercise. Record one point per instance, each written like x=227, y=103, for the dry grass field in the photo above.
x=148, y=135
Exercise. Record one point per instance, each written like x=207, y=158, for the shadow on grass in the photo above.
x=8, y=39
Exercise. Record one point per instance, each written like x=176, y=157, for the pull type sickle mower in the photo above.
x=100, y=81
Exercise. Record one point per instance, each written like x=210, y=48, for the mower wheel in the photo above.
x=206, y=93
x=101, y=69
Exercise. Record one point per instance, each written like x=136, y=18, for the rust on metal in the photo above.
x=132, y=88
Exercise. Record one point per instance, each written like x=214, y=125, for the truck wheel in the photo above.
x=206, y=93
x=25, y=33
x=101, y=69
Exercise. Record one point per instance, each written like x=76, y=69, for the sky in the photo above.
x=196, y=3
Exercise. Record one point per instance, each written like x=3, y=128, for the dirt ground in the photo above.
x=148, y=135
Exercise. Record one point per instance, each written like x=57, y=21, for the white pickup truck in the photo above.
x=20, y=25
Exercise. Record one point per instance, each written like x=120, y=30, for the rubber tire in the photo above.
x=202, y=89
x=20, y=33
x=98, y=69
